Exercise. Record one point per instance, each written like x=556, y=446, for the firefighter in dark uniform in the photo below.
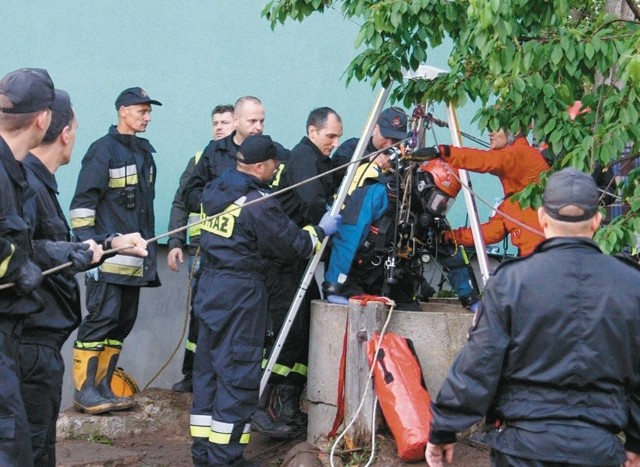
x=231, y=303
x=25, y=98
x=222, y=117
x=44, y=333
x=554, y=354
x=114, y=195
x=220, y=154
x=279, y=413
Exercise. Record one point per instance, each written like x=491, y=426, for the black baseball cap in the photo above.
x=257, y=148
x=61, y=102
x=28, y=89
x=393, y=123
x=571, y=187
x=133, y=96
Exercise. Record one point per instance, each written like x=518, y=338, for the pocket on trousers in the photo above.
x=246, y=366
x=7, y=428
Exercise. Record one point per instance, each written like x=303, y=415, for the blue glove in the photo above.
x=329, y=224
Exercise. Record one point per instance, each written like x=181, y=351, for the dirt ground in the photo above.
x=168, y=444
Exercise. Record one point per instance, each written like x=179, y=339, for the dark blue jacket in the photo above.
x=114, y=194
x=248, y=238
x=554, y=355
x=14, y=193
x=218, y=156
x=60, y=291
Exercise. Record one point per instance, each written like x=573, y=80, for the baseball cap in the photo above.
x=61, y=101
x=133, y=96
x=28, y=89
x=257, y=148
x=571, y=187
x=393, y=123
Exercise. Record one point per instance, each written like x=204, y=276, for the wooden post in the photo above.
x=363, y=320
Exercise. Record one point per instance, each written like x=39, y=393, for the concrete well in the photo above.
x=438, y=333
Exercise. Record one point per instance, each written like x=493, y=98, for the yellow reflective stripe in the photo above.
x=224, y=223
x=4, y=266
x=124, y=265
x=190, y=346
x=113, y=343
x=89, y=345
x=199, y=431
x=300, y=368
x=284, y=370
x=194, y=230
x=199, y=425
x=275, y=182
x=314, y=237
x=221, y=433
x=197, y=157
x=117, y=176
x=82, y=217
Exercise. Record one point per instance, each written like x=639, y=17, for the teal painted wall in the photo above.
x=190, y=55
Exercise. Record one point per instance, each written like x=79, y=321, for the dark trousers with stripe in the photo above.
x=226, y=375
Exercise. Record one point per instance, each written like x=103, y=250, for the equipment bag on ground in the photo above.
x=401, y=392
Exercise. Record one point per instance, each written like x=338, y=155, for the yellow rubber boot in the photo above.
x=86, y=397
x=107, y=365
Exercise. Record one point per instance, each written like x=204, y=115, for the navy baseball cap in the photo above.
x=28, y=89
x=61, y=102
x=257, y=148
x=393, y=123
x=133, y=96
x=571, y=187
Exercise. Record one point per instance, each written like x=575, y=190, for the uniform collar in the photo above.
x=566, y=242
x=133, y=142
x=41, y=171
x=319, y=156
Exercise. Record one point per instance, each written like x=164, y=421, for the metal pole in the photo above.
x=313, y=262
x=472, y=210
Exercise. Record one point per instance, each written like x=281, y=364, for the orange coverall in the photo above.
x=516, y=165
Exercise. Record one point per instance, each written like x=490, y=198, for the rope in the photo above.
x=187, y=308
x=392, y=305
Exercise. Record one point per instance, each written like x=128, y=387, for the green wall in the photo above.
x=190, y=55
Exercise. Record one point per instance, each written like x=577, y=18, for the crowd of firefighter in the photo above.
x=247, y=215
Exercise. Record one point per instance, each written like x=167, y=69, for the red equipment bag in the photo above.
x=402, y=395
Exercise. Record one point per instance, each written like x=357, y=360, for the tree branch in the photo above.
x=633, y=6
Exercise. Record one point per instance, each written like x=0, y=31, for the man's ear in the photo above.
x=64, y=135
x=543, y=218
x=41, y=119
x=595, y=221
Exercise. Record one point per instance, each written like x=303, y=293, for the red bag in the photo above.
x=401, y=392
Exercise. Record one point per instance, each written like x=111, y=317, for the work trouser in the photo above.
x=358, y=216
x=42, y=370
x=500, y=459
x=113, y=310
x=15, y=438
x=282, y=285
x=232, y=310
x=192, y=336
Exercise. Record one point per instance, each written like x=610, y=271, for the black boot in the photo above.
x=109, y=358
x=277, y=414
x=265, y=420
x=289, y=400
x=184, y=385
